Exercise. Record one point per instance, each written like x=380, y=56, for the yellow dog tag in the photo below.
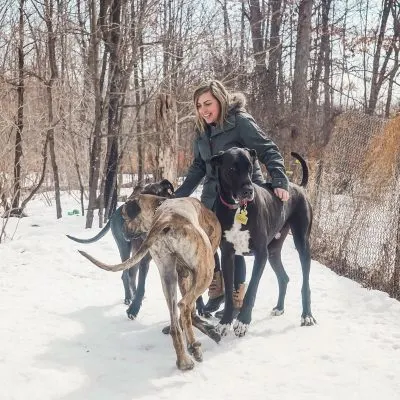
x=241, y=217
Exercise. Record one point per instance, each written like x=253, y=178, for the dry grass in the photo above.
x=383, y=155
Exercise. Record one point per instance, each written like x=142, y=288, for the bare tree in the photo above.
x=299, y=88
x=256, y=22
x=20, y=113
x=380, y=72
x=274, y=55
x=96, y=69
x=47, y=13
x=166, y=125
x=323, y=63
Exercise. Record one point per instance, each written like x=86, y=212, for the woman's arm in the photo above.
x=267, y=151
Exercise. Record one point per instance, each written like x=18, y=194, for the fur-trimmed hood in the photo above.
x=238, y=103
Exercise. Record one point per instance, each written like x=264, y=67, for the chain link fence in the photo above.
x=355, y=191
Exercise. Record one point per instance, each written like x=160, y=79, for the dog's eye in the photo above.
x=232, y=170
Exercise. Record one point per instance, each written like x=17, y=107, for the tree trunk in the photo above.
x=166, y=125
x=112, y=41
x=392, y=78
x=256, y=19
x=273, y=64
x=20, y=111
x=139, y=130
x=323, y=62
x=97, y=82
x=51, y=45
x=299, y=88
x=227, y=38
x=377, y=77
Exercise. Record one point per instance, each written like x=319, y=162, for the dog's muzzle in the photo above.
x=129, y=236
x=245, y=195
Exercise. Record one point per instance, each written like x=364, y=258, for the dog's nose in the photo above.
x=247, y=193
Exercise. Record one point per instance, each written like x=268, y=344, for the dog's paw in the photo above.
x=195, y=350
x=308, y=320
x=166, y=330
x=214, y=335
x=185, y=363
x=240, y=328
x=223, y=329
x=131, y=315
x=132, y=312
x=276, y=312
x=203, y=313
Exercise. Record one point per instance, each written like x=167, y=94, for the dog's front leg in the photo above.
x=244, y=318
x=134, y=308
x=228, y=266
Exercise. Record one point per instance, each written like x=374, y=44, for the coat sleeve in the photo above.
x=267, y=151
x=194, y=176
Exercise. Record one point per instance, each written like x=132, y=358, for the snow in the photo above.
x=65, y=335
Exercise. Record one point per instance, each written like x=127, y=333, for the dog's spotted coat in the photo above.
x=240, y=239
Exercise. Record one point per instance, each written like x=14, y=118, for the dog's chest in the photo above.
x=239, y=238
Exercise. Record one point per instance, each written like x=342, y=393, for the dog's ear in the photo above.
x=160, y=201
x=253, y=155
x=216, y=161
x=166, y=184
x=131, y=209
x=136, y=191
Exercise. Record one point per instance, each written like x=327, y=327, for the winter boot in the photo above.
x=215, y=293
x=237, y=297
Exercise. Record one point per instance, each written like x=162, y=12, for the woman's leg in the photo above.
x=240, y=271
x=217, y=263
x=216, y=289
x=239, y=279
x=239, y=282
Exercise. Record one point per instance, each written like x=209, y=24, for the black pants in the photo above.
x=240, y=269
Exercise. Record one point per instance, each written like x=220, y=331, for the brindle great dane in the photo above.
x=183, y=236
x=133, y=295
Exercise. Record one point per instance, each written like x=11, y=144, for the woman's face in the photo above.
x=208, y=107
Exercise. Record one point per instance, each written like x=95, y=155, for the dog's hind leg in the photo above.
x=186, y=306
x=300, y=226
x=169, y=279
x=274, y=257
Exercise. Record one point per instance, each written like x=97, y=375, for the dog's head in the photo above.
x=163, y=188
x=138, y=214
x=235, y=169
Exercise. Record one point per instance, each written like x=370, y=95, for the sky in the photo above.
x=64, y=333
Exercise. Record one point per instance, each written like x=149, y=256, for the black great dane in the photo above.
x=126, y=244
x=255, y=221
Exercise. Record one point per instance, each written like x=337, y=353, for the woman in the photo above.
x=221, y=123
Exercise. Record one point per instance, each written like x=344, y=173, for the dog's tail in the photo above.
x=304, y=167
x=154, y=234
x=95, y=238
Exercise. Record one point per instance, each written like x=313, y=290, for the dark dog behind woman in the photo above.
x=221, y=123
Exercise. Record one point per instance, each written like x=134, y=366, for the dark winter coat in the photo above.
x=238, y=130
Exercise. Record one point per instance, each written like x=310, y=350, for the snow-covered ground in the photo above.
x=64, y=333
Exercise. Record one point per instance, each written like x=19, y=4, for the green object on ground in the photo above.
x=73, y=212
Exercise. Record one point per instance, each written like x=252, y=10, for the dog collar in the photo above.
x=229, y=205
x=233, y=206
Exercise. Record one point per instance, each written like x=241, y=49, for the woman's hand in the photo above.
x=281, y=194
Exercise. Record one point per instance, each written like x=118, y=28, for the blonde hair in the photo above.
x=221, y=94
